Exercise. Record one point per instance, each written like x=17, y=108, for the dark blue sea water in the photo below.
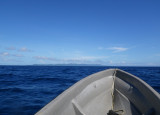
x=26, y=89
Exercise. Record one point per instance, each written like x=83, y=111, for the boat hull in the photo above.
x=111, y=89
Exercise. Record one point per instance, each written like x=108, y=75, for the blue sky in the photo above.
x=110, y=32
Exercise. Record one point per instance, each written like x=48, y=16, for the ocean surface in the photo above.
x=26, y=89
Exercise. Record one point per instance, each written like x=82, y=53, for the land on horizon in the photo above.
x=81, y=65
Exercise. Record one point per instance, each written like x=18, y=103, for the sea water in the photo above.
x=26, y=89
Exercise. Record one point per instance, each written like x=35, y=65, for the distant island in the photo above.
x=68, y=65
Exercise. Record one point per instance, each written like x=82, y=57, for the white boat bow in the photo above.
x=111, y=89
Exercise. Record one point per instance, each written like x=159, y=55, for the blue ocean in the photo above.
x=26, y=89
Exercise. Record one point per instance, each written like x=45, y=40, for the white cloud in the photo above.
x=76, y=60
x=45, y=58
x=68, y=59
x=24, y=49
x=4, y=54
x=86, y=60
x=89, y=57
x=117, y=49
x=17, y=55
x=10, y=48
x=114, y=49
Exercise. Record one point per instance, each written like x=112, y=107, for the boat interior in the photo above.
x=110, y=92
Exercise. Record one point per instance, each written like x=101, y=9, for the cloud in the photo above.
x=89, y=58
x=117, y=49
x=24, y=49
x=114, y=49
x=10, y=48
x=67, y=59
x=9, y=58
x=86, y=60
x=45, y=58
x=17, y=55
x=75, y=60
x=6, y=54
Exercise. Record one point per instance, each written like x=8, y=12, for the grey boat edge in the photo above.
x=111, y=89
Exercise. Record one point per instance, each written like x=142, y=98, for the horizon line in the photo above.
x=80, y=65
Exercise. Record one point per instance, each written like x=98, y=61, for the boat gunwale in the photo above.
x=95, y=77
x=78, y=83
